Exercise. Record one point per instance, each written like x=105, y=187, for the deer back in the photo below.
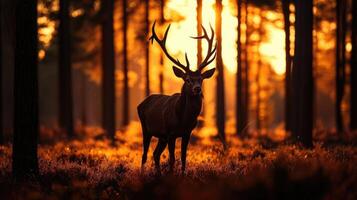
x=159, y=113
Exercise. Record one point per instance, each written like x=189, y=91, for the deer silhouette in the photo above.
x=170, y=117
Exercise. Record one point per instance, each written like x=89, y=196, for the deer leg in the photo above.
x=184, y=143
x=146, y=144
x=157, y=153
x=172, y=153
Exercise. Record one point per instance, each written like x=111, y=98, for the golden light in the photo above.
x=179, y=41
x=47, y=26
x=273, y=50
x=41, y=54
x=349, y=47
x=77, y=13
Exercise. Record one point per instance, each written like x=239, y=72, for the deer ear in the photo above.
x=178, y=72
x=208, y=73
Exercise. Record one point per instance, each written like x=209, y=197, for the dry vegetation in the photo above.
x=251, y=169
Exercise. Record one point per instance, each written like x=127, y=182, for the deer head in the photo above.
x=193, y=79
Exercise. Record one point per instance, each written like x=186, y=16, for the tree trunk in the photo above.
x=126, y=105
x=162, y=67
x=24, y=157
x=353, y=111
x=147, y=52
x=84, y=102
x=220, y=98
x=65, y=70
x=245, y=81
x=1, y=72
x=199, y=52
x=288, y=104
x=199, y=31
x=340, y=60
x=303, y=74
x=240, y=123
x=108, y=75
x=259, y=66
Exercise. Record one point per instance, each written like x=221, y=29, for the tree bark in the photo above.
x=126, y=105
x=108, y=64
x=26, y=130
x=199, y=31
x=303, y=74
x=239, y=76
x=1, y=72
x=147, y=52
x=65, y=70
x=200, y=123
x=340, y=60
x=353, y=103
x=259, y=66
x=288, y=104
x=246, y=73
x=84, y=102
x=220, y=98
x=162, y=67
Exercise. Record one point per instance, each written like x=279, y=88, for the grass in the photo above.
x=92, y=168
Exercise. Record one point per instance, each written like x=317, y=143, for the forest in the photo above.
x=261, y=96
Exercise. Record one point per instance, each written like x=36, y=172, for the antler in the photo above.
x=163, y=47
x=210, y=52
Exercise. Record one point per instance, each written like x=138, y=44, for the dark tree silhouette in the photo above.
x=288, y=103
x=199, y=31
x=162, y=68
x=340, y=60
x=246, y=72
x=147, y=52
x=259, y=66
x=353, y=111
x=302, y=75
x=108, y=62
x=24, y=157
x=240, y=121
x=200, y=123
x=65, y=70
x=220, y=100
x=84, y=101
x=1, y=111
x=125, y=66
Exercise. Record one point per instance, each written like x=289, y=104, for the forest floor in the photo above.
x=251, y=169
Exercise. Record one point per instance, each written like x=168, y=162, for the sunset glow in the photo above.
x=179, y=41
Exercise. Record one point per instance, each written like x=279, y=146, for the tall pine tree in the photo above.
x=302, y=75
x=162, y=68
x=353, y=102
x=220, y=100
x=288, y=103
x=240, y=121
x=147, y=52
x=108, y=64
x=26, y=120
x=65, y=70
x=125, y=66
x=1, y=47
x=340, y=60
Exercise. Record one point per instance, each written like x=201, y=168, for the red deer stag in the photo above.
x=170, y=117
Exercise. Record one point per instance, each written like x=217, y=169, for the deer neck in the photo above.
x=189, y=106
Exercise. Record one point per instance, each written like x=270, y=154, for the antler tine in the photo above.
x=209, y=62
x=162, y=44
x=187, y=62
x=210, y=52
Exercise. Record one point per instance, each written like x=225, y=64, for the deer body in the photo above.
x=170, y=117
x=165, y=115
